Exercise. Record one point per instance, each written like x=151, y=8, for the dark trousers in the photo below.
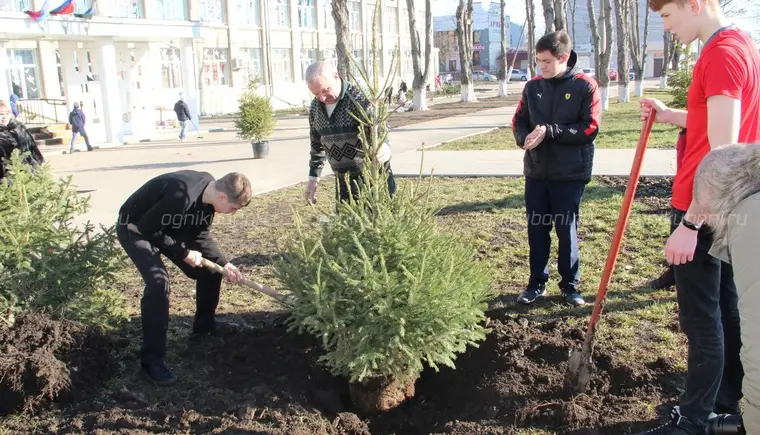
x=154, y=306
x=554, y=203
x=709, y=316
x=348, y=184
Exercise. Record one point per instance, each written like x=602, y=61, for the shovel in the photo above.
x=284, y=300
x=252, y=284
x=579, y=371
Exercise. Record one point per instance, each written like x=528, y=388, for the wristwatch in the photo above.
x=690, y=225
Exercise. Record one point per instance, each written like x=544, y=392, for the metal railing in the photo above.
x=40, y=111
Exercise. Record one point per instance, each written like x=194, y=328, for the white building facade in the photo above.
x=128, y=63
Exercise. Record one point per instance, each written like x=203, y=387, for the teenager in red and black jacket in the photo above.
x=556, y=123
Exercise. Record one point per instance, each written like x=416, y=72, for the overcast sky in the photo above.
x=516, y=10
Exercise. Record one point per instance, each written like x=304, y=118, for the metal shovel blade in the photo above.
x=578, y=374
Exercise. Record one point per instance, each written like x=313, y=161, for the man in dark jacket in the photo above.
x=183, y=114
x=171, y=215
x=334, y=133
x=77, y=121
x=556, y=123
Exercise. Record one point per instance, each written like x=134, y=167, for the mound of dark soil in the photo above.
x=653, y=191
x=265, y=380
x=43, y=359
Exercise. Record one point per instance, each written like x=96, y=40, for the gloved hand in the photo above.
x=383, y=153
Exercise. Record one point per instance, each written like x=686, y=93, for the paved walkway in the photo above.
x=109, y=175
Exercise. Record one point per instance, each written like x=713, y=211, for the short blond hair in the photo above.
x=237, y=187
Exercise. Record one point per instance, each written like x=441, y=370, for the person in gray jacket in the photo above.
x=727, y=190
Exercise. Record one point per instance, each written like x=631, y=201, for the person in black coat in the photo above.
x=77, y=121
x=14, y=135
x=183, y=115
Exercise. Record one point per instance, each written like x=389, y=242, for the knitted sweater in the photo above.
x=336, y=138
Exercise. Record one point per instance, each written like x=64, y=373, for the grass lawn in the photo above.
x=218, y=378
x=621, y=126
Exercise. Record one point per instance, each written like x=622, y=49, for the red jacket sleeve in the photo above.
x=586, y=129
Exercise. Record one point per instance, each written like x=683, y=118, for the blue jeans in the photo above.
x=182, y=126
x=554, y=203
x=709, y=316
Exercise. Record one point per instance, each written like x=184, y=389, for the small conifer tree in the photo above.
x=384, y=290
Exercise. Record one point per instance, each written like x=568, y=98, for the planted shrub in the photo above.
x=256, y=121
x=47, y=263
x=385, y=291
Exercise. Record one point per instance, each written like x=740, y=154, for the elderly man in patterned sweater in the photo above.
x=335, y=134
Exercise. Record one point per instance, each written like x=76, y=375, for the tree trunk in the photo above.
x=530, y=17
x=668, y=43
x=464, y=37
x=560, y=15
x=637, y=45
x=421, y=72
x=573, y=5
x=505, y=74
x=622, y=8
x=548, y=16
x=602, y=38
x=342, y=35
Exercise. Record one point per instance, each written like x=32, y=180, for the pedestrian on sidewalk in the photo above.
x=556, y=122
x=183, y=115
x=171, y=215
x=77, y=121
x=334, y=132
x=723, y=108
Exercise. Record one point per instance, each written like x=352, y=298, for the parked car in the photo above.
x=518, y=75
x=589, y=72
x=483, y=76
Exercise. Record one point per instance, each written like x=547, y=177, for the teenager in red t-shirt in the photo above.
x=723, y=108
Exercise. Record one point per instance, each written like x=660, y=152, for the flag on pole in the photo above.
x=41, y=15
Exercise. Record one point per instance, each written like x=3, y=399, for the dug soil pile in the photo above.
x=42, y=360
x=265, y=380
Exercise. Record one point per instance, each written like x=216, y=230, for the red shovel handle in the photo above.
x=622, y=223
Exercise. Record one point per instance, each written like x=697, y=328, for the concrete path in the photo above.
x=110, y=175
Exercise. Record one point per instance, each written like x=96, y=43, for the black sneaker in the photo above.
x=533, y=292
x=572, y=296
x=158, y=373
x=676, y=425
x=218, y=329
x=666, y=280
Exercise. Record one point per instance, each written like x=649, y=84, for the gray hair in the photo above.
x=318, y=69
x=725, y=177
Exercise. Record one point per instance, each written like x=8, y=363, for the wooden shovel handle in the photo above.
x=246, y=282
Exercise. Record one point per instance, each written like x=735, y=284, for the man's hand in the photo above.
x=660, y=109
x=383, y=153
x=535, y=137
x=193, y=258
x=681, y=246
x=233, y=274
x=311, y=192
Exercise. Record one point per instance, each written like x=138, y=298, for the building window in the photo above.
x=308, y=57
x=169, y=9
x=248, y=13
x=328, y=22
x=306, y=14
x=252, y=64
x=328, y=55
x=214, y=67
x=280, y=13
x=123, y=9
x=404, y=21
x=282, y=72
x=15, y=5
x=171, y=68
x=24, y=73
x=391, y=20
x=406, y=65
x=212, y=11
x=60, y=72
x=371, y=19
x=354, y=16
